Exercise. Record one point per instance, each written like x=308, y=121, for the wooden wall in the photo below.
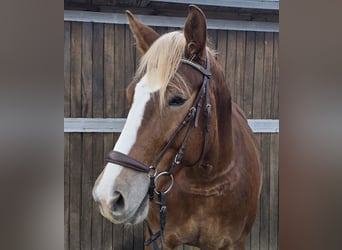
x=99, y=62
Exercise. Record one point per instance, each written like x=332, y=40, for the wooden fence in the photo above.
x=99, y=61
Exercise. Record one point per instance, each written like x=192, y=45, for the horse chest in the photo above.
x=202, y=227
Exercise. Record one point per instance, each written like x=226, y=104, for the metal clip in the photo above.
x=176, y=160
x=208, y=115
x=208, y=109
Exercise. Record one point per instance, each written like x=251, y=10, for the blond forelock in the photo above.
x=161, y=61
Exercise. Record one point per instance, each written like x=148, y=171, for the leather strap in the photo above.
x=126, y=161
x=204, y=71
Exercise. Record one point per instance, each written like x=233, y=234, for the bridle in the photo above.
x=192, y=119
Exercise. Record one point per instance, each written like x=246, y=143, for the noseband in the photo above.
x=192, y=119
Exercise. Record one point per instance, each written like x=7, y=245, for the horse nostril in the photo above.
x=118, y=202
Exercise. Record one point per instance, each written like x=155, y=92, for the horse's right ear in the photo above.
x=144, y=35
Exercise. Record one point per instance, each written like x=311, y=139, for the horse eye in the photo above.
x=176, y=101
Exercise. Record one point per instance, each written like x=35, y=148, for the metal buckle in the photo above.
x=191, y=112
x=152, y=172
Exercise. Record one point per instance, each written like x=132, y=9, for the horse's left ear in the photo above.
x=195, y=32
x=144, y=35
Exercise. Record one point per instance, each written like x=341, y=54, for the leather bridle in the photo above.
x=192, y=119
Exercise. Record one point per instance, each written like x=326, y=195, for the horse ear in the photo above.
x=195, y=32
x=143, y=34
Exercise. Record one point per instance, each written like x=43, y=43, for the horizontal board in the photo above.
x=96, y=125
x=166, y=21
x=110, y=125
x=251, y=4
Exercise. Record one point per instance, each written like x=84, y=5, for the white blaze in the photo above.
x=126, y=140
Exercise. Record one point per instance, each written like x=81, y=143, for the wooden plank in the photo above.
x=75, y=189
x=231, y=62
x=87, y=65
x=67, y=30
x=75, y=139
x=249, y=74
x=275, y=79
x=97, y=219
x=268, y=69
x=118, y=231
x=66, y=191
x=87, y=184
x=168, y=21
x=274, y=192
x=138, y=239
x=250, y=4
x=109, y=69
x=98, y=78
x=75, y=67
x=107, y=234
x=119, y=76
x=265, y=194
x=240, y=66
x=128, y=237
x=255, y=233
x=258, y=75
x=222, y=48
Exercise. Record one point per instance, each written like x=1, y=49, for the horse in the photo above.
x=186, y=163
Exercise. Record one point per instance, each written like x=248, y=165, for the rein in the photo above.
x=192, y=118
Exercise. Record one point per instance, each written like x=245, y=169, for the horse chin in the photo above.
x=140, y=213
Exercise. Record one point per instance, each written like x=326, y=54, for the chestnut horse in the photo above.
x=186, y=148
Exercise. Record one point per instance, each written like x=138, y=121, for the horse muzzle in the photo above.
x=120, y=201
